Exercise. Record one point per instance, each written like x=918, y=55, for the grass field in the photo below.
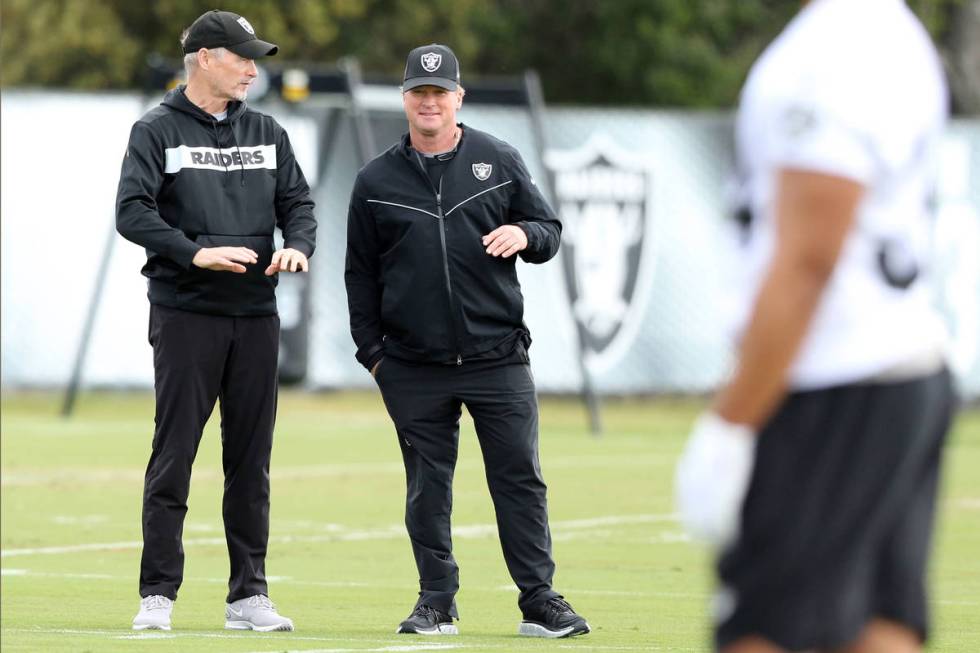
x=339, y=561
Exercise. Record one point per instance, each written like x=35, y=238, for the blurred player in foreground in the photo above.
x=815, y=472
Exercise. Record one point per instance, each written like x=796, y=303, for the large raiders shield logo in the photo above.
x=604, y=197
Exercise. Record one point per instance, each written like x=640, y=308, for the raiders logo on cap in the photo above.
x=431, y=61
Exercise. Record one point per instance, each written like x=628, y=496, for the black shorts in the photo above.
x=837, y=523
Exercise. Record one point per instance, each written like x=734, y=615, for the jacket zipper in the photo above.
x=445, y=258
x=445, y=266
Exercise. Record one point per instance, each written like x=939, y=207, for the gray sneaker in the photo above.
x=154, y=613
x=255, y=613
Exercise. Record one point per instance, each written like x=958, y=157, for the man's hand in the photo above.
x=229, y=259
x=713, y=478
x=288, y=260
x=505, y=241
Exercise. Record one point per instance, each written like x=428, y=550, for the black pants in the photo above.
x=424, y=402
x=197, y=359
x=836, y=525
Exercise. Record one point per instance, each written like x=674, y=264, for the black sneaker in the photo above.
x=554, y=619
x=428, y=621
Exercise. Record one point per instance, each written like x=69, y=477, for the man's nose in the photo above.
x=252, y=70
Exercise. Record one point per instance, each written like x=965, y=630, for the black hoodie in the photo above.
x=190, y=181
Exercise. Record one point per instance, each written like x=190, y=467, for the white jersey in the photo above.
x=851, y=88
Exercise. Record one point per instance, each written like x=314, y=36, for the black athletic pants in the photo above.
x=197, y=359
x=424, y=402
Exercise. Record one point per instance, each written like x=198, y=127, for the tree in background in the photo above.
x=691, y=53
x=962, y=56
x=671, y=53
x=67, y=43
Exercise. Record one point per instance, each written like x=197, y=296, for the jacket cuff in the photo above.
x=374, y=360
x=300, y=246
x=184, y=253
x=368, y=356
x=533, y=243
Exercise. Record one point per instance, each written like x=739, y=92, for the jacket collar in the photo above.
x=177, y=99
x=407, y=151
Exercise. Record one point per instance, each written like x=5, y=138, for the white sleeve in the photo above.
x=827, y=124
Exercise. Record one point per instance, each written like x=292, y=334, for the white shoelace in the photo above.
x=156, y=602
x=261, y=601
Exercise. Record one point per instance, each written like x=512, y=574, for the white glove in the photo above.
x=713, y=477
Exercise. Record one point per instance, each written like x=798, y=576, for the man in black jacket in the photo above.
x=437, y=316
x=204, y=183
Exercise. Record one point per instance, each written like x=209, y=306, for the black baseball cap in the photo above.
x=431, y=65
x=223, y=29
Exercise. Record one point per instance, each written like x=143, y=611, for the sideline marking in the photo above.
x=342, y=584
x=245, y=635
x=341, y=534
x=35, y=476
x=385, y=647
x=510, y=589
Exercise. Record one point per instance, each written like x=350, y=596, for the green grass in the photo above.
x=339, y=560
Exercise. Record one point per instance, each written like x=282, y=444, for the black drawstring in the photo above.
x=234, y=136
x=217, y=141
x=241, y=160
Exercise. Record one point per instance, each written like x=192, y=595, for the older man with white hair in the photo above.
x=205, y=182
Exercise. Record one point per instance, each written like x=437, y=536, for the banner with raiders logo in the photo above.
x=649, y=249
x=605, y=200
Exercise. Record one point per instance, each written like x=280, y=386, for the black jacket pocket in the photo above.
x=230, y=293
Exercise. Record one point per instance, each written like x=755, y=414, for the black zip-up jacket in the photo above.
x=420, y=285
x=189, y=181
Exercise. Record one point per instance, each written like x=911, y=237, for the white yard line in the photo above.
x=381, y=645
x=383, y=649
x=340, y=533
x=571, y=591
x=31, y=477
x=220, y=581
x=960, y=603
x=79, y=520
x=95, y=546
x=28, y=572
x=350, y=584
x=136, y=475
x=277, y=637
x=658, y=649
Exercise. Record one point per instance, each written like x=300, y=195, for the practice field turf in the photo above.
x=339, y=561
